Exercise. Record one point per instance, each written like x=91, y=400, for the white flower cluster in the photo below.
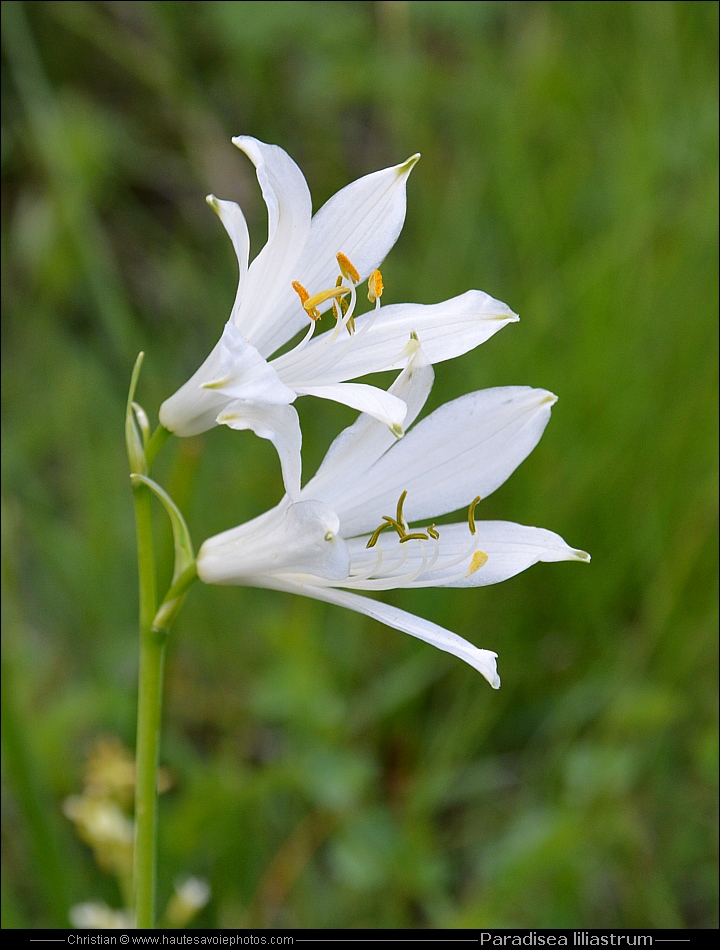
x=365, y=520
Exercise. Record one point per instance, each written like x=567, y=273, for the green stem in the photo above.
x=152, y=654
x=155, y=443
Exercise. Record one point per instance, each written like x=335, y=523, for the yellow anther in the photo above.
x=347, y=269
x=336, y=309
x=373, y=539
x=340, y=308
x=312, y=302
x=432, y=532
x=471, y=514
x=304, y=298
x=375, y=286
x=415, y=536
x=478, y=559
x=300, y=291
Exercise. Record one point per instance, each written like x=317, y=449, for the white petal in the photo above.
x=243, y=374
x=269, y=276
x=234, y=223
x=497, y=551
x=192, y=410
x=280, y=425
x=512, y=548
x=445, y=330
x=362, y=221
x=481, y=660
x=359, y=446
x=233, y=370
x=375, y=402
x=465, y=448
x=302, y=537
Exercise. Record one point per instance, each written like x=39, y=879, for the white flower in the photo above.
x=98, y=916
x=351, y=526
x=310, y=265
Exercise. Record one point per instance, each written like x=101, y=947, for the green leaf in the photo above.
x=184, y=555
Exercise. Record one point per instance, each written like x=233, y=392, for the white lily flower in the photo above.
x=308, y=266
x=350, y=529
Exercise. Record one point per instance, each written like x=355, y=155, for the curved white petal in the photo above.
x=359, y=446
x=233, y=370
x=302, y=537
x=280, y=425
x=375, y=402
x=192, y=410
x=362, y=221
x=269, y=276
x=497, y=551
x=243, y=374
x=445, y=330
x=481, y=660
x=465, y=448
x=513, y=548
x=234, y=223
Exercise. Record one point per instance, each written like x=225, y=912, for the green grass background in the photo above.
x=328, y=771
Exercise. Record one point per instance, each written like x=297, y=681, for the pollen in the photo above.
x=375, y=286
x=432, y=531
x=471, y=514
x=478, y=559
x=304, y=298
x=347, y=268
x=300, y=291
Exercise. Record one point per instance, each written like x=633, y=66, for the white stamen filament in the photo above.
x=370, y=577
x=393, y=579
x=368, y=320
x=358, y=573
x=436, y=554
x=366, y=581
x=305, y=340
x=384, y=573
x=450, y=578
x=342, y=324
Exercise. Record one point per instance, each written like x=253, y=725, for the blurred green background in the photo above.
x=328, y=771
